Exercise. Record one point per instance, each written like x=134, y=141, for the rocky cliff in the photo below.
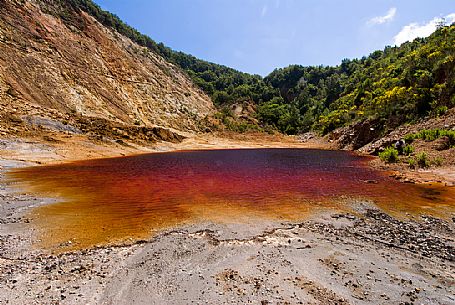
x=58, y=75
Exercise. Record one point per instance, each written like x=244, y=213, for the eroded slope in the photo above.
x=75, y=75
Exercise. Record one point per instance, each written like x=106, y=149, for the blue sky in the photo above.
x=257, y=36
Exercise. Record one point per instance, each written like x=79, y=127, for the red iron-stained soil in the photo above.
x=115, y=200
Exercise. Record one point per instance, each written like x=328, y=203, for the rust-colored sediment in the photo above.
x=121, y=199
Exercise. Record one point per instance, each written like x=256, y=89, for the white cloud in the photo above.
x=414, y=30
x=384, y=19
x=265, y=8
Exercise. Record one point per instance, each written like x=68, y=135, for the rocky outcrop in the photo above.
x=356, y=135
x=51, y=69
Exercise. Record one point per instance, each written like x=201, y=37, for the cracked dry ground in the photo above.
x=362, y=258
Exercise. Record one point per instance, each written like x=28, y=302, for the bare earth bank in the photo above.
x=366, y=257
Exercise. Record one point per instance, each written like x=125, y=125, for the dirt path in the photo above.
x=366, y=257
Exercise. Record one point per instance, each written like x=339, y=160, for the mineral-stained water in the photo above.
x=129, y=198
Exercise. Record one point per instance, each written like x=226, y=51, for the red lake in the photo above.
x=117, y=200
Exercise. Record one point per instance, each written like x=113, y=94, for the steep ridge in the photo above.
x=55, y=76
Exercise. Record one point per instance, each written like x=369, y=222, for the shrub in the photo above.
x=437, y=161
x=412, y=163
x=389, y=155
x=441, y=110
x=451, y=136
x=409, y=138
x=422, y=160
x=408, y=150
x=431, y=135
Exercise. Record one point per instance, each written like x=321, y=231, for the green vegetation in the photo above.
x=412, y=163
x=438, y=161
x=285, y=117
x=389, y=155
x=422, y=160
x=431, y=135
x=408, y=150
x=393, y=86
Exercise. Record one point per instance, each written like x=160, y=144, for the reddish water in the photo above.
x=112, y=200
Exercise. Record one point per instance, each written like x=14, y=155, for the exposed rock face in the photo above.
x=51, y=69
x=356, y=135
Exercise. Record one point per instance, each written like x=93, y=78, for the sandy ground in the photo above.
x=364, y=257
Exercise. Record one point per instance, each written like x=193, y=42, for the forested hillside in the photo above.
x=397, y=85
x=391, y=87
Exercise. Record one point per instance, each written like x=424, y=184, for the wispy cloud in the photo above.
x=414, y=30
x=265, y=8
x=384, y=19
